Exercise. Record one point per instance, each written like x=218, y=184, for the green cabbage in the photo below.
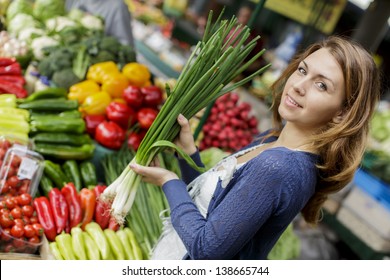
x=45, y=9
x=19, y=7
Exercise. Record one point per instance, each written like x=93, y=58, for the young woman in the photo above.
x=322, y=106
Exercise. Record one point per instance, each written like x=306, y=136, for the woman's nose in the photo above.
x=299, y=86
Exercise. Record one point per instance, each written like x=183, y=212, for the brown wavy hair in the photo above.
x=340, y=145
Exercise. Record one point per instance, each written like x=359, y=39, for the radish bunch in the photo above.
x=230, y=125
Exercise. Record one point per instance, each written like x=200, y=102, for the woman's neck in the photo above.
x=294, y=139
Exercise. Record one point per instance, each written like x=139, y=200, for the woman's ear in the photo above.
x=339, y=117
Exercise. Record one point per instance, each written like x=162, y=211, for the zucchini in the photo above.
x=50, y=104
x=65, y=151
x=46, y=94
x=57, y=124
x=62, y=138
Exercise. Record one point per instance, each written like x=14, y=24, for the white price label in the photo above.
x=27, y=168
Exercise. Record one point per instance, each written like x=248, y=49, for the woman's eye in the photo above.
x=322, y=86
x=301, y=70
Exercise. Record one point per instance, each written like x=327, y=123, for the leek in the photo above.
x=208, y=74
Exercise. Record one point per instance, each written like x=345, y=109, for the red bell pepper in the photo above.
x=121, y=114
x=88, y=201
x=92, y=121
x=110, y=135
x=11, y=87
x=134, y=139
x=5, y=61
x=102, y=209
x=11, y=69
x=146, y=116
x=74, y=204
x=133, y=96
x=152, y=96
x=16, y=79
x=45, y=217
x=60, y=210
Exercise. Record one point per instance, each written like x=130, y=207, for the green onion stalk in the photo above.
x=208, y=74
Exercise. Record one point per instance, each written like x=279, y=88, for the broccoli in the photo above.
x=44, y=67
x=110, y=44
x=65, y=78
x=61, y=58
x=103, y=56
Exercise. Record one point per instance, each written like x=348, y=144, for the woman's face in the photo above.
x=314, y=93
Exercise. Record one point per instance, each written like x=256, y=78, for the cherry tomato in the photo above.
x=24, y=199
x=26, y=220
x=29, y=231
x=17, y=212
x=11, y=171
x=6, y=234
x=17, y=231
x=16, y=160
x=4, y=211
x=35, y=239
x=9, y=248
x=14, y=181
x=6, y=221
x=9, y=203
x=27, y=210
x=19, y=222
x=34, y=219
x=38, y=229
x=19, y=243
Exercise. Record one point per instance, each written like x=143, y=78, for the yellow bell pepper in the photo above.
x=119, y=100
x=137, y=74
x=83, y=89
x=114, y=84
x=95, y=104
x=98, y=71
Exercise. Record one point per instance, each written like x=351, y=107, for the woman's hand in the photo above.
x=152, y=174
x=185, y=140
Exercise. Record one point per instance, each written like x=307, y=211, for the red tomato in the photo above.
x=11, y=171
x=17, y=231
x=19, y=222
x=24, y=199
x=9, y=203
x=6, y=221
x=29, y=231
x=35, y=240
x=26, y=220
x=14, y=181
x=133, y=140
x=38, y=229
x=27, y=210
x=34, y=219
x=15, y=162
x=6, y=234
x=9, y=248
x=17, y=212
x=18, y=243
x=4, y=211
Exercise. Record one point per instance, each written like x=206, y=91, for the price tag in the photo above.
x=27, y=168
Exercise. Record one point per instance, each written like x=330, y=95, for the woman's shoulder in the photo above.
x=281, y=161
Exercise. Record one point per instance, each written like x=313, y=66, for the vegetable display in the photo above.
x=230, y=125
x=214, y=63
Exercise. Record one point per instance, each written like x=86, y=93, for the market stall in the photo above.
x=76, y=106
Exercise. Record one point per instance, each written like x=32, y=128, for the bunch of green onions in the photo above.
x=208, y=74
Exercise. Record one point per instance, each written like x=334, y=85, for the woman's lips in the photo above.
x=291, y=102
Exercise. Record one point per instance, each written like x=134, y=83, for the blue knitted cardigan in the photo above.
x=247, y=217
